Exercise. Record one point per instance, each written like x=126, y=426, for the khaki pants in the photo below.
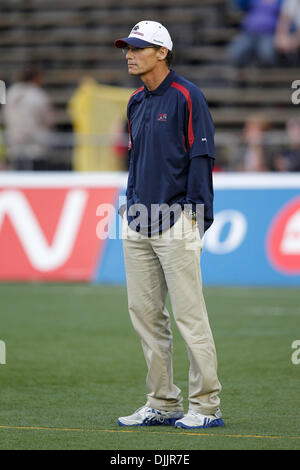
x=164, y=263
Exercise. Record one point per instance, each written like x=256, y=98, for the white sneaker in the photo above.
x=194, y=420
x=146, y=416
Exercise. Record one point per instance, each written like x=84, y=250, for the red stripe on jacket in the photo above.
x=136, y=91
x=129, y=130
x=187, y=96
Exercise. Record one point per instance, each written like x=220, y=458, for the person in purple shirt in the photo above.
x=255, y=41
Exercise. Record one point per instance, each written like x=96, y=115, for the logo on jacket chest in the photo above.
x=162, y=117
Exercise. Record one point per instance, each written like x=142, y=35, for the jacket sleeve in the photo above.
x=199, y=126
x=130, y=182
x=200, y=187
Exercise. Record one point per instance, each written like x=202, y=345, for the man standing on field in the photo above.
x=169, y=207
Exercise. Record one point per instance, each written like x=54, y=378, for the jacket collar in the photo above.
x=163, y=87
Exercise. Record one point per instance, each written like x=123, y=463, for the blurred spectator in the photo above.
x=28, y=119
x=255, y=41
x=289, y=160
x=287, y=38
x=255, y=153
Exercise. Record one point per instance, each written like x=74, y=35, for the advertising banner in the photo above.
x=66, y=227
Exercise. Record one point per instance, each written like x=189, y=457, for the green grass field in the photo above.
x=74, y=364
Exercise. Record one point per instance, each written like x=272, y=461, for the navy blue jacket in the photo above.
x=171, y=149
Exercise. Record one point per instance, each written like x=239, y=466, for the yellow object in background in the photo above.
x=98, y=113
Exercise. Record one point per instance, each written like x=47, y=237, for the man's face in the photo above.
x=142, y=61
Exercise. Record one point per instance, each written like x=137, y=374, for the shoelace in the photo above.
x=155, y=415
x=193, y=413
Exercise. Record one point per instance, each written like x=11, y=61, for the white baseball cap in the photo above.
x=147, y=34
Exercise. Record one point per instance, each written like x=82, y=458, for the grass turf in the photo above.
x=74, y=364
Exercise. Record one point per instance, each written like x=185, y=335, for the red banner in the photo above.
x=50, y=233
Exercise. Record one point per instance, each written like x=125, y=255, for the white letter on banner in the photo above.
x=42, y=256
x=290, y=244
x=235, y=236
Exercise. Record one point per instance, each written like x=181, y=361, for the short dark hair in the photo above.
x=170, y=58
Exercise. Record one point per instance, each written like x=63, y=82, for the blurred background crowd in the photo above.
x=67, y=86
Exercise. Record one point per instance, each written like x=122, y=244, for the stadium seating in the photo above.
x=74, y=39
